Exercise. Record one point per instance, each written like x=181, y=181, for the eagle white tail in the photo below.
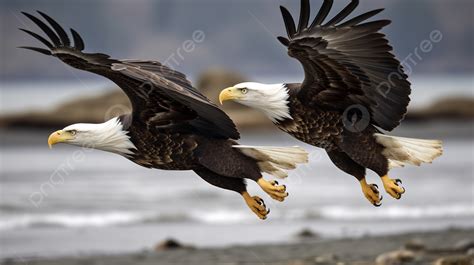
x=407, y=151
x=275, y=160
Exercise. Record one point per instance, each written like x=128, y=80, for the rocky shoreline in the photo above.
x=453, y=246
x=99, y=108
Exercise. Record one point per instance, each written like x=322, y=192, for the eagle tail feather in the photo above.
x=402, y=151
x=275, y=161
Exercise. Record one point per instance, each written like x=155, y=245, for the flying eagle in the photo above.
x=353, y=89
x=172, y=126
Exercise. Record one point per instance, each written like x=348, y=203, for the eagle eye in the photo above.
x=72, y=132
x=244, y=90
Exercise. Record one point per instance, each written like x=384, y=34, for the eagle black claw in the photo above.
x=378, y=204
x=393, y=187
x=277, y=192
x=372, y=193
x=375, y=188
x=257, y=205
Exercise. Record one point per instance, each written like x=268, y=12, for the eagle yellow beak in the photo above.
x=229, y=93
x=59, y=137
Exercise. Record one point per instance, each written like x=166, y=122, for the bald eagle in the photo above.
x=353, y=89
x=172, y=126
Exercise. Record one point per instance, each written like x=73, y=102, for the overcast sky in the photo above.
x=236, y=34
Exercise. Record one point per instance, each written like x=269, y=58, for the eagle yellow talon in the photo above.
x=371, y=192
x=276, y=192
x=257, y=205
x=393, y=187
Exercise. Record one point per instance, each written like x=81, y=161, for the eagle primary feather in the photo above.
x=172, y=125
x=353, y=88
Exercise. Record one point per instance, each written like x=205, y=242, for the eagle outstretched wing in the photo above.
x=348, y=63
x=160, y=96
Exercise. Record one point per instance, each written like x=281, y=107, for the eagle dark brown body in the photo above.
x=353, y=88
x=168, y=150
x=347, y=147
x=312, y=125
x=172, y=126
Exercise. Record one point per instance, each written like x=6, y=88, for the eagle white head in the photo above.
x=271, y=99
x=108, y=136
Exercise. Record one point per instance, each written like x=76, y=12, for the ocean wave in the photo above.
x=73, y=220
x=396, y=212
x=226, y=216
x=68, y=220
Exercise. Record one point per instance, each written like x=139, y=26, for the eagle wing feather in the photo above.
x=161, y=97
x=348, y=63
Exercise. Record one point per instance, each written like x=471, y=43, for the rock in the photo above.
x=464, y=245
x=396, y=257
x=307, y=233
x=448, y=108
x=454, y=260
x=97, y=109
x=326, y=259
x=415, y=245
x=212, y=81
x=169, y=244
x=94, y=109
x=470, y=252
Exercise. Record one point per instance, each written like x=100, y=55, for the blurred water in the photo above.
x=45, y=95
x=426, y=90
x=69, y=200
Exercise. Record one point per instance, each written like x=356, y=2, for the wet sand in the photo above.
x=444, y=247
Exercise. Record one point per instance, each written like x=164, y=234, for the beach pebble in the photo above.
x=168, y=244
x=464, y=245
x=454, y=260
x=396, y=257
x=326, y=259
x=415, y=245
x=307, y=233
x=470, y=252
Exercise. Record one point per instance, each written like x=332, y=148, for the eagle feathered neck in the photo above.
x=272, y=101
x=109, y=136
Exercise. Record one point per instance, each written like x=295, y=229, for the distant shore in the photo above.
x=453, y=246
x=96, y=108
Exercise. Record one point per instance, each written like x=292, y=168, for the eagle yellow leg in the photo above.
x=371, y=192
x=392, y=187
x=277, y=192
x=257, y=205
